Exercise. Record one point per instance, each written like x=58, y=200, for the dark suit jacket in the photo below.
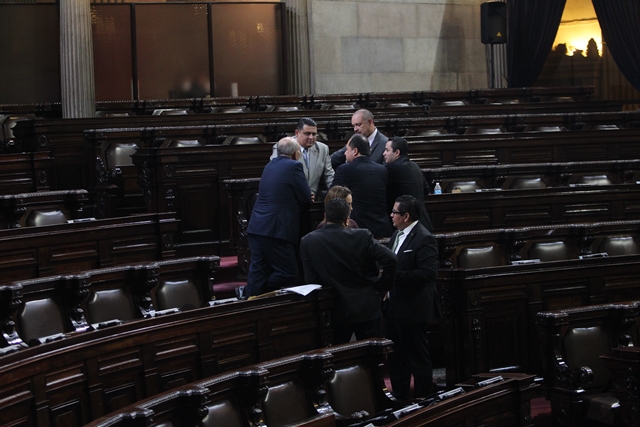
x=368, y=184
x=348, y=259
x=282, y=194
x=405, y=177
x=319, y=166
x=413, y=296
x=377, y=148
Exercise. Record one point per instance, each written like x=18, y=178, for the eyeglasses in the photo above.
x=394, y=212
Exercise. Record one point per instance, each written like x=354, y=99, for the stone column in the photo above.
x=300, y=66
x=76, y=59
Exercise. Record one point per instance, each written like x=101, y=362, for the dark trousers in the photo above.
x=410, y=356
x=274, y=265
x=370, y=329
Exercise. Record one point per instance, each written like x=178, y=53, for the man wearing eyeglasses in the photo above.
x=412, y=302
x=362, y=122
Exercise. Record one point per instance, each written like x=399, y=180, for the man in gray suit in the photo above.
x=315, y=156
x=362, y=122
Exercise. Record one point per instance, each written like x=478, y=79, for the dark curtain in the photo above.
x=531, y=28
x=620, y=24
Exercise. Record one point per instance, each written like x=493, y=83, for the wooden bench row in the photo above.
x=179, y=178
x=36, y=311
x=42, y=208
x=335, y=386
x=490, y=306
x=316, y=102
x=537, y=244
x=534, y=206
x=84, y=376
x=33, y=252
x=532, y=175
x=64, y=139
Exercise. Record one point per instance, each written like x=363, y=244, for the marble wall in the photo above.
x=395, y=45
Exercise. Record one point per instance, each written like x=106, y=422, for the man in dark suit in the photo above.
x=362, y=121
x=275, y=221
x=405, y=177
x=349, y=260
x=367, y=181
x=412, y=302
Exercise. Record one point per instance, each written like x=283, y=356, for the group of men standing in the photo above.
x=388, y=192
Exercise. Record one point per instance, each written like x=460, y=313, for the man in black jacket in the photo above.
x=367, y=181
x=412, y=301
x=405, y=177
x=349, y=260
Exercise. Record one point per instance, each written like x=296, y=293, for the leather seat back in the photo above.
x=286, y=404
x=222, y=413
x=108, y=305
x=622, y=245
x=527, y=183
x=463, y=186
x=583, y=347
x=550, y=251
x=594, y=180
x=182, y=294
x=37, y=218
x=351, y=390
x=40, y=318
x=119, y=154
x=488, y=256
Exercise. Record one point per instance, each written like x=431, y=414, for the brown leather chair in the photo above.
x=8, y=122
x=594, y=180
x=39, y=319
x=222, y=413
x=526, y=183
x=110, y=304
x=583, y=347
x=178, y=143
x=575, y=379
x=551, y=251
x=487, y=131
x=287, y=404
x=119, y=154
x=480, y=257
x=619, y=245
x=244, y=140
x=37, y=218
x=351, y=390
x=181, y=294
x=463, y=186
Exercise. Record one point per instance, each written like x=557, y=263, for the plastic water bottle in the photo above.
x=437, y=189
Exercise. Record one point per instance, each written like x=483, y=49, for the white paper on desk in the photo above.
x=303, y=290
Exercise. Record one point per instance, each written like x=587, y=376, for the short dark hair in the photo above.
x=306, y=121
x=361, y=143
x=409, y=204
x=401, y=144
x=337, y=211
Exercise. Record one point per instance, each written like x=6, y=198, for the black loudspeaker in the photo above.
x=493, y=22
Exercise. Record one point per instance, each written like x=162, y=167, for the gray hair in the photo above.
x=366, y=114
x=287, y=147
